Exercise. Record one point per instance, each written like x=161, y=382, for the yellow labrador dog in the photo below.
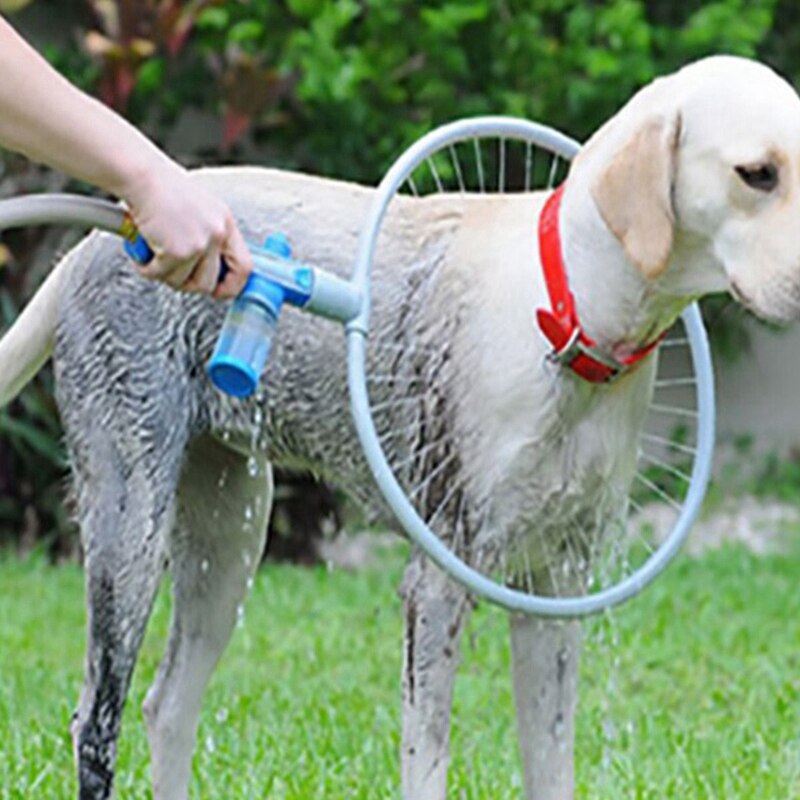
x=693, y=187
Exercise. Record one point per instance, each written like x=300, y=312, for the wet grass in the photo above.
x=691, y=691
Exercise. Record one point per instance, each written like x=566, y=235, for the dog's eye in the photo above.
x=763, y=177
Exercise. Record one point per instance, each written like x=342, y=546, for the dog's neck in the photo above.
x=618, y=307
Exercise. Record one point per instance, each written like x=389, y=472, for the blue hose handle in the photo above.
x=139, y=250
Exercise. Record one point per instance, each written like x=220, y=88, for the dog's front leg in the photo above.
x=545, y=656
x=435, y=609
x=224, y=504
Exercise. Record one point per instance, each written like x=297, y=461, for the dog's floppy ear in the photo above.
x=634, y=194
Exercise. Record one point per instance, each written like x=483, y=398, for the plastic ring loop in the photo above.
x=420, y=533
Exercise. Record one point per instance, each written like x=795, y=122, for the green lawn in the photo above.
x=691, y=691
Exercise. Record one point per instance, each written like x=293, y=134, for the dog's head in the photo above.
x=701, y=172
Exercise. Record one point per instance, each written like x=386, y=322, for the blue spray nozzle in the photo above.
x=246, y=337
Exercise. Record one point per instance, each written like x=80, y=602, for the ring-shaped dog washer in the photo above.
x=508, y=128
x=337, y=299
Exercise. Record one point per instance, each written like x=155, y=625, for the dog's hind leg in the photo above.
x=224, y=503
x=436, y=610
x=545, y=655
x=125, y=488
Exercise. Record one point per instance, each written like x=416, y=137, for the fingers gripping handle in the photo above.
x=138, y=249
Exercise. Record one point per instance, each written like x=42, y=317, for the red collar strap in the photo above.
x=571, y=346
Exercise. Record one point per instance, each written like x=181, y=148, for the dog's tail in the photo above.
x=28, y=343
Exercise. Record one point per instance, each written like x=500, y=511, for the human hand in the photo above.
x=188, y=229
x=186, y=226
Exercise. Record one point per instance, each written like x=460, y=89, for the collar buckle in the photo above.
x=569, y=351
x=605, y=368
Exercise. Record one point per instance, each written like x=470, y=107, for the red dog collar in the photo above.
x=571, y=346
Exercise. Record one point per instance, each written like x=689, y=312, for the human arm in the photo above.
x=46, y=118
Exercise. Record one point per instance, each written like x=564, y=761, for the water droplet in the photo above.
x=250, y=584
x=210, y=744
x=240, y=616
x=204, y=566
x=248, y=512
x=246, y=558
x=223, y=478
x=222, y=715
x=252, y=466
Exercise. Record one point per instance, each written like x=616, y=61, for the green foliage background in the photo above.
x=337, y=87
